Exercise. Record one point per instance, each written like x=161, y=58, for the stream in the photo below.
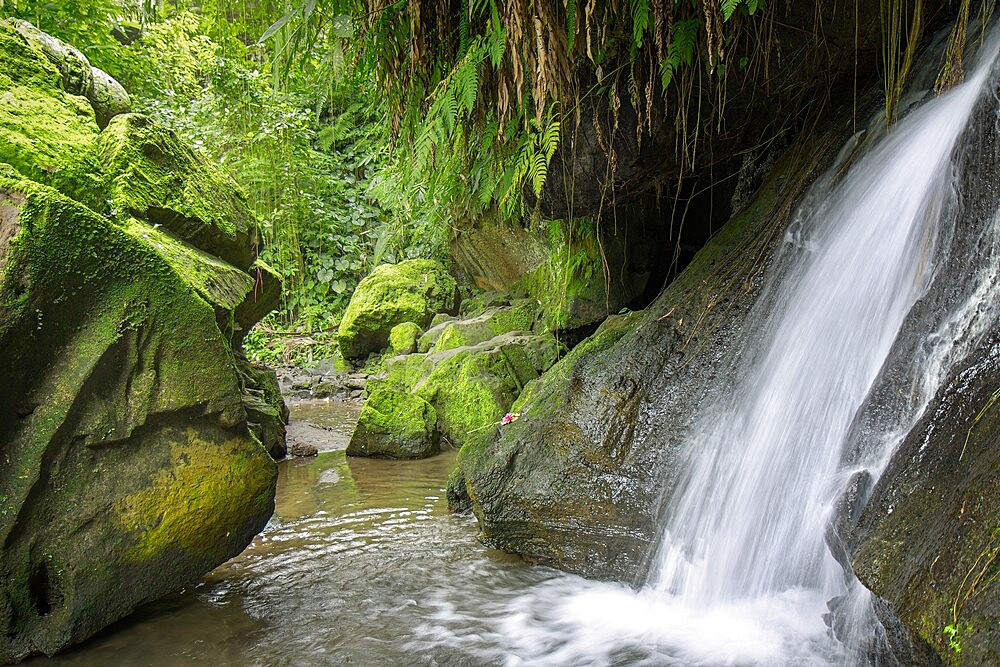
x=345, y=573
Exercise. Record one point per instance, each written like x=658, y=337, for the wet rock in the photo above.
x=576, y=480
x=267, y=414
x=356, y=381
x=116, y=368
x=303, y=449
x=130, y=469
x=395, y=424
x=411, y=291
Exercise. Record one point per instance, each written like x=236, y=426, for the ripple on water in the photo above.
x=362, y=564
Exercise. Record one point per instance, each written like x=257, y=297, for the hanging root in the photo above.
x=952, y=73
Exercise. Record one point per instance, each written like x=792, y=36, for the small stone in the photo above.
x=303, y=449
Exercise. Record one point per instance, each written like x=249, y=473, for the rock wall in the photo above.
x=576, y=481
x=128, y=465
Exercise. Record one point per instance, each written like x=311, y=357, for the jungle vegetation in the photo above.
x=368, y=131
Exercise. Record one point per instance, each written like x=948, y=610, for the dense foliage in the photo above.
x=365, y=131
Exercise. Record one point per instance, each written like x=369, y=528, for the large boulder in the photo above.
x=130, y=467
x=411, y=291
x=576, y=481
x=107, y=97
x=928, y=541
x=149, y=173
x=45, y=129
x=395, y=425
x=472, y=387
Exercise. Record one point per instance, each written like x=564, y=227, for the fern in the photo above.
x=681, y=49
x=640, y=21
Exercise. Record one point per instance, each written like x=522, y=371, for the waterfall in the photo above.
x=750, y=517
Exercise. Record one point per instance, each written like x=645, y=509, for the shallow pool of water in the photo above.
x=363, y=565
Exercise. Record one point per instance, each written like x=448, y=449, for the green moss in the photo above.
x=83, y=299
x=402, y=372
x=489, y=324
x=149, y=173
x=218, y=282
x=403, y=338
x=47, y=135
x=473, y=388
x=395, y=424
x=568, y=286
x=200, y=499
x=24, y=64
x=411, y=291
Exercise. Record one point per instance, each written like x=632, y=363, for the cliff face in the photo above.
x=577, y=481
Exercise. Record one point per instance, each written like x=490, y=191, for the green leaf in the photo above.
x=640, y=20
x=276, y=26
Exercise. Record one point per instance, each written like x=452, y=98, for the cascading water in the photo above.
x=751, y=516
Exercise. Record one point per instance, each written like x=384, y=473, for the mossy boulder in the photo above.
x=131, y=467
x=403, y=338
x=481, y=328
x=396, y=425
x=267, y=414
x=47, y=132
x=472, y=387
x=411, y=291
x=107, y=97
x=147, y=172
x=73, y=66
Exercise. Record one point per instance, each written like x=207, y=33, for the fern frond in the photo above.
x=640, y=20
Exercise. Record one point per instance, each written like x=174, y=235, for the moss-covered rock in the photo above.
x=131, y=467
x=107, y=97
x=472, y=387
x=74, y=68
x=403, y=338
x=487, y=325
x=411, y=291
x=267, y=414
x=397, y=425
x=47, y=133
x=148, y=173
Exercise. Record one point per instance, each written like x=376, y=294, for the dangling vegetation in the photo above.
x=367, y=131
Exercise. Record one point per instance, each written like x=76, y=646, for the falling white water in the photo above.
x=751, y=516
